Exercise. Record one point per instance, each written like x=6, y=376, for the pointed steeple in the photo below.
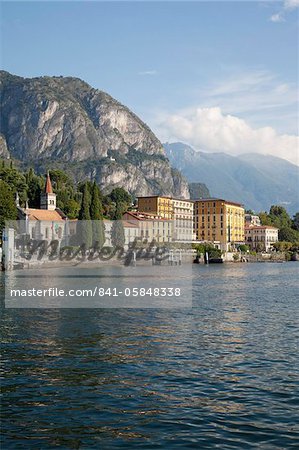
x=48, y=198
x=48, y=187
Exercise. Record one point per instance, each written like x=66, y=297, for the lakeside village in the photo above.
x=206, y=229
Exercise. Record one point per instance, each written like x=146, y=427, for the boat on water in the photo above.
x=215, y=261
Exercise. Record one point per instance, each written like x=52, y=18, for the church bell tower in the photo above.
x=48, y=198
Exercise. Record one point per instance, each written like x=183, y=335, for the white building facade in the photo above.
x=251, y=219
x=260, y=238
x=183, y=216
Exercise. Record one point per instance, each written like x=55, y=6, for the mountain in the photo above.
x=198, y=190
x=257, y=181
x=63, y=122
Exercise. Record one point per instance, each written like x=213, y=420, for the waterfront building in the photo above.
x=183, y=216
x=260, y=238
x=181, y=211
x=131, y=232
x=151, y=227
x=251, y=219
x=219, y=221
x=157, y=205
x=107, y=229
x=47, y=222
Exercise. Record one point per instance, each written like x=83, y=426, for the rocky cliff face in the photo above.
x=4, y=153
x=50, y=121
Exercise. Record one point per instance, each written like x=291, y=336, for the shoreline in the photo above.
x=120, y=263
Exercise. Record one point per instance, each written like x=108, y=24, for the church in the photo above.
x=46, y=223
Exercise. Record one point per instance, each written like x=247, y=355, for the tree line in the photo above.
x=279, y=218
x=83, y=200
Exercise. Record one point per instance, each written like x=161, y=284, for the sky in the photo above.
x=220, y=76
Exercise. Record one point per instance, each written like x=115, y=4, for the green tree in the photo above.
x=282, y=246
x=279, y=217
x=71, y=208
x=8, y=209
x=120, y=195
x=260, y=247
x=119, y=200
x=82, y=185
x=66, y=193
x=84, y=213
x=118, y=234
x=212, y=251
x=35, y=187
x=84, y=225
x=295, y=223
x=109, y=207
x=96, y=215
x=120, y=209
x=96, y=207
x=243, y=248
x=29, y=175
x=288, y=234
x=265, y=219
x=60, y=179
x=16, y=182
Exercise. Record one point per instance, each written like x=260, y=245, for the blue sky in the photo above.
x=176, y=64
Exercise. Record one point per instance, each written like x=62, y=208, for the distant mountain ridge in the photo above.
x=257, y=181
x=198, y=190
x=63, y=122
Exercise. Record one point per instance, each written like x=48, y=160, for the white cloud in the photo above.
x=211, y=130
x=241, y=81
x=288, y=6
x=291, y=4
x=148, y=72
x=256, y=94
x=277, y=18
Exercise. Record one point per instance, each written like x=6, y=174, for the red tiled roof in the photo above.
x=212, y=199
x=43, y=214
x=127, y=224
x=145, y=216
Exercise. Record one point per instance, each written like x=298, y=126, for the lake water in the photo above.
x=222, y=374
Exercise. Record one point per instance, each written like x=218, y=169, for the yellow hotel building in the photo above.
x=160, y=206
x=219, y=221
x=181, y=211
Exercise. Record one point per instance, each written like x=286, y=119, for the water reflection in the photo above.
x=224, y=373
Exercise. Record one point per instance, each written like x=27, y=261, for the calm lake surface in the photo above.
x=222, y=374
